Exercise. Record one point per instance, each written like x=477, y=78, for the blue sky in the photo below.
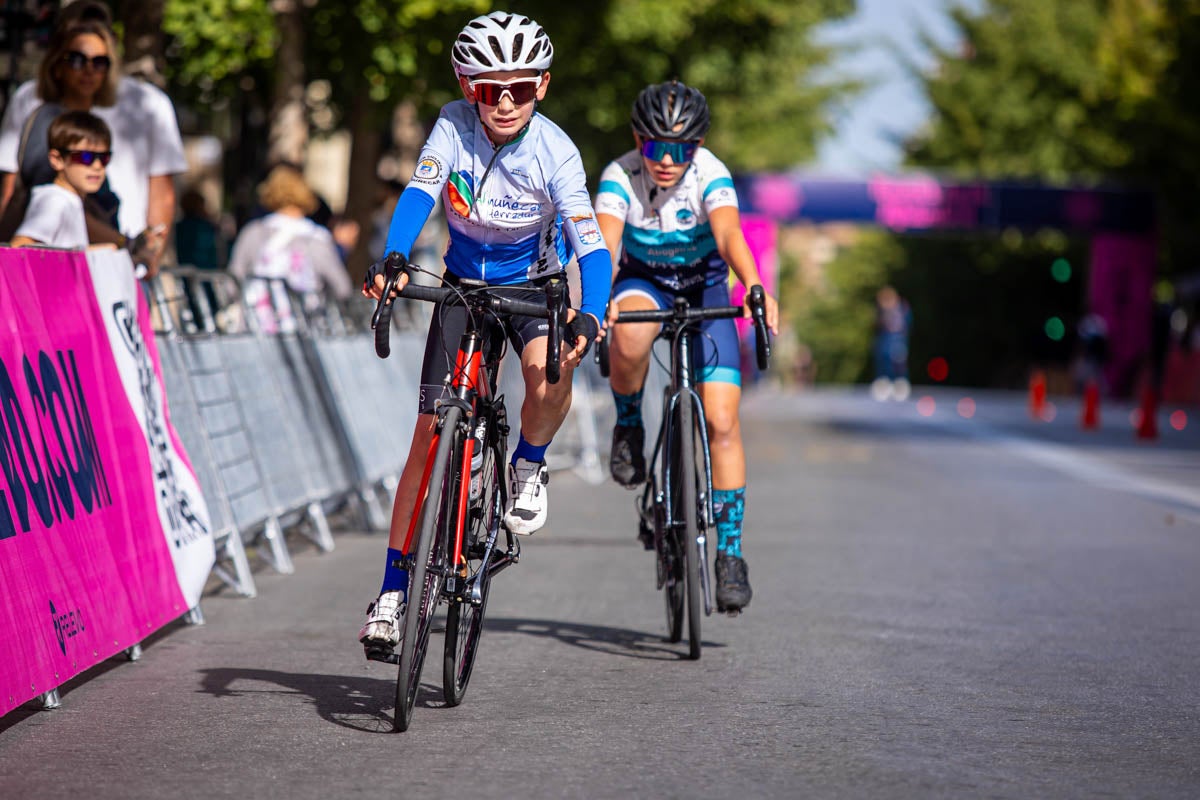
x=869, y=127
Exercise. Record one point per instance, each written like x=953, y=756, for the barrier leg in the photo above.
x=584, y=411
x=242, y=580
x=194, y=616
x=373, y=514
x=51, y=700
x=320, y=533
x=134, y=653
x=279, y=557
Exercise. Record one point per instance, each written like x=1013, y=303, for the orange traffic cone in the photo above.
x=1091, y=406
x=1037, y=394
x=1148, y=423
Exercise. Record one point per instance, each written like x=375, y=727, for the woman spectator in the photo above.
x=81, y=71
x=285, y=247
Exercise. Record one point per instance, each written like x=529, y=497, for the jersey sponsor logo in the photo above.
x=459, y=191
x=428, y=169
x=685, y=216
x=587, y=229
x=723, y=196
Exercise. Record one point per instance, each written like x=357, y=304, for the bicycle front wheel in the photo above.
x=437, y=517
x=464, y=617
x=687, y=512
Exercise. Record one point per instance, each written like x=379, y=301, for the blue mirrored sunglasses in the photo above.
x=679, y=152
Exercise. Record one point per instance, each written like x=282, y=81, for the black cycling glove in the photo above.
x=380, y=268
x=583, y=325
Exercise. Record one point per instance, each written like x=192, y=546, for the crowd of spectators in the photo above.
x=290, y=235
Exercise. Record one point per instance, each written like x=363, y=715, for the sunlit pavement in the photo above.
x=944, y=606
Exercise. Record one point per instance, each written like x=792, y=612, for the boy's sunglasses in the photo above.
x=78, y=61
x=89, y=157
x=490, y=92
x=680, y=152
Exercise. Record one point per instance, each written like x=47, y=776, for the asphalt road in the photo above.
x=944, y=607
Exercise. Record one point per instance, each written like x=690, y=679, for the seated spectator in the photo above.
x=78, y=152
x=285, y=247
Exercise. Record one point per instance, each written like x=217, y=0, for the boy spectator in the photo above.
x=79, y=145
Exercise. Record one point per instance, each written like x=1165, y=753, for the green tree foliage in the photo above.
x=1069, y=90
x=214, y=43
x=755, y=60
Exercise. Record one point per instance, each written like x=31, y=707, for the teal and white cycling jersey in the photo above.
x=668, y=238
x=515, y=213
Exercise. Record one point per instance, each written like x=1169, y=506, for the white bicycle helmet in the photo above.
x=501, y=42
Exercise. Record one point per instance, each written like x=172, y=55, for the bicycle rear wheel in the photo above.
x=687, y=513
x=437, y=518
x=464, y=617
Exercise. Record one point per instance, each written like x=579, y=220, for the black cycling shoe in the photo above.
x=627, y=463
x=733, y=584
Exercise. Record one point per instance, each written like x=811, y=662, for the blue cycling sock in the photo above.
x=729, y=506
x=629, y=408
x=535, y=453
x=395, y=578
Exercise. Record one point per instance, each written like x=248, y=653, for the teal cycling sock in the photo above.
x=629, y=408
x=535, y=453
x=729, y=506
x=395, y=577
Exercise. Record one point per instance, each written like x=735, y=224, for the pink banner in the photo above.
x=88, y=566
x=762, y=238
x=1120, y=282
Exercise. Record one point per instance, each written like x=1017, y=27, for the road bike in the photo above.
x=675, y=509
x=452, y=549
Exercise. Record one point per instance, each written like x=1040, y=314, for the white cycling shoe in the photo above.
x=527, y=496
x=382, y=628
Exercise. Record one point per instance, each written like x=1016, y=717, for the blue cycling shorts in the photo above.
x=716, y=356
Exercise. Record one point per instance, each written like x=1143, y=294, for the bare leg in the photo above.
x=410, y=481
x=724, y=433
x=629, y=347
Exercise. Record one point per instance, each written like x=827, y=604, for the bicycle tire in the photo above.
x=464, y=621
x=674, y=587
x=427, y=570
x=689, y=508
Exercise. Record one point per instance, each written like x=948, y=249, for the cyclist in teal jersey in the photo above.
x=668, y=209
x=517, y=206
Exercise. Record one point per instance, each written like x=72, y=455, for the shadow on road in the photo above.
x=359, y=703
x=598, y=638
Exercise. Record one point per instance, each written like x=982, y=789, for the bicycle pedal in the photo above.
x=386, y=655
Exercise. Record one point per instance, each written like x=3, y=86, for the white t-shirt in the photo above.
x=146, y=142
x=54, y=217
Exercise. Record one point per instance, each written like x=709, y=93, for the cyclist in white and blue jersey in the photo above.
x=669, y=210
x=517, y=206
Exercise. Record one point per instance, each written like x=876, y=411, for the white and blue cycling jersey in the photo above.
x=668, y=238
x=516, y=213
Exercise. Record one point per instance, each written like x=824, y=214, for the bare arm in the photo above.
x=7, y=184
x=160, y=210
x=731, y=244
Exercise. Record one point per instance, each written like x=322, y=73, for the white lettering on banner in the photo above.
x=185, y=526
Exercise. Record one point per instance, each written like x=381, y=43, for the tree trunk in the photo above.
x=363, y=191
x=288, y=137
x=143, y=41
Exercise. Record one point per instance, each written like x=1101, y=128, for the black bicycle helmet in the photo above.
x=662, y=107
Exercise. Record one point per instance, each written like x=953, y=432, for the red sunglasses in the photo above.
x=490, y=92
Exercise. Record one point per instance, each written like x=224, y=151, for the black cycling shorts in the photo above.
x=446, y=330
